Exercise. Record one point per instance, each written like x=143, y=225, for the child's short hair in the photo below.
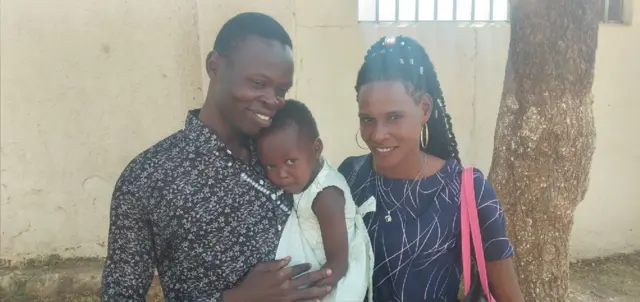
x=295, y=112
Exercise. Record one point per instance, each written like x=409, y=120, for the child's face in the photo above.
x=289, y=159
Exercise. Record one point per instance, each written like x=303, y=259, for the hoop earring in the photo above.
x=357, y=142
x=424, y=137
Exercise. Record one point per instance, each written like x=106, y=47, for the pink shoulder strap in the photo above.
x=469, y=222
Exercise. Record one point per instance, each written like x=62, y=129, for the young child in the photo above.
x=325, y=228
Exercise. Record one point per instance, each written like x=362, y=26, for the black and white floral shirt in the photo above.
x=199, y=215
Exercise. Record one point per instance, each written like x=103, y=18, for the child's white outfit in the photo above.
x=302, y=240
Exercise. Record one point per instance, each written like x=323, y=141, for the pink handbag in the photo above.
x=472, y=273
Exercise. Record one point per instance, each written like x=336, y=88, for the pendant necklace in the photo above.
x=388, y=218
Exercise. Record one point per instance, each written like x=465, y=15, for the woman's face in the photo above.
x=391, y=121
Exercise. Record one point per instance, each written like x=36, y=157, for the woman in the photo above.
x=413, y=172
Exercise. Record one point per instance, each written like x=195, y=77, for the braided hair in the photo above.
x=403, y=59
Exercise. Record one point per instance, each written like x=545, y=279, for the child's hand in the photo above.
x=338, y=268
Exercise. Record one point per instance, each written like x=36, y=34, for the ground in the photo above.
x=615, y=278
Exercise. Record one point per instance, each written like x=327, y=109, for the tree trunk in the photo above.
x=545, y=136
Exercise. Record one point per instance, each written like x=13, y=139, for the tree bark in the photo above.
x=545, y=136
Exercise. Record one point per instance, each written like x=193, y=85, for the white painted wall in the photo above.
x=87, y=85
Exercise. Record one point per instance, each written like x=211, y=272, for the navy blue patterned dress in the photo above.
x=417, y=252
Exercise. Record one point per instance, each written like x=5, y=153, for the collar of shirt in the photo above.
x=207, y=141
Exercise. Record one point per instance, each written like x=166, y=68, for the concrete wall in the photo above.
x=86, y=85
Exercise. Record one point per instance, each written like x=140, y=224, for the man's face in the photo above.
x=251, y=83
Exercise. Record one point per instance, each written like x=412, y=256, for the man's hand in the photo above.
x=272, y=282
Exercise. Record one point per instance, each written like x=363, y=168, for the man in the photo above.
x=195, y=206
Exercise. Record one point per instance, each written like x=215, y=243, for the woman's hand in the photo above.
x=272, y=282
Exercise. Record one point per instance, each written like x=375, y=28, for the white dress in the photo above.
x=302, y=240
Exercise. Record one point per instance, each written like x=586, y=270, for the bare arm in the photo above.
x=329, y=209
x=503, y=281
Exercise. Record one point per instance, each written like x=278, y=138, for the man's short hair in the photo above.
x=249, y=24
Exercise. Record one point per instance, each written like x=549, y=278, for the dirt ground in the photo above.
x=614, y=278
